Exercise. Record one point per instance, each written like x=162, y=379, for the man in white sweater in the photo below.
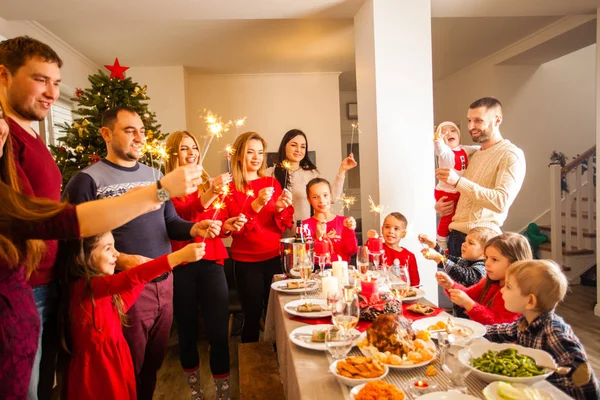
x=492, y=180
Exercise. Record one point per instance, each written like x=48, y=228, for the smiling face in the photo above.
x=496, y=264
x=472, y=248
x=295, y=149
x=451, y=136
x=188, y=151
x=482, y=123
x=33, y=88
x=125, y=141
x=319, y=197
x=104, y=255
x=254, y=155
x=393, y=230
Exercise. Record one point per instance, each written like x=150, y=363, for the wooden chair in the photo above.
x=259, y=373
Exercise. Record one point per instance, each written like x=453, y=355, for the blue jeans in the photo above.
x=42, y=375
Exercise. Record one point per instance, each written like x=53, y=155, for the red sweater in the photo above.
x=343, y=239
x=259, y=238
x=190, y=208
x=404, y=256
x=489, y=310
x=39, y=172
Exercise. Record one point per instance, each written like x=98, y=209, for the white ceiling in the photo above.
x=263, y=36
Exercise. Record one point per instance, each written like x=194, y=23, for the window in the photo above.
x=60, y=112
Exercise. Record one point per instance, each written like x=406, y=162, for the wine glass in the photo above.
x=322, y=261
x=362, y=260
x=345, y=313
x=337, y=342
x=402, y=284
x=306, y=269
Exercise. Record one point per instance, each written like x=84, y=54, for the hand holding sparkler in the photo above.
x=372, y=234
x=444, y=280
x=284, y=200
x=348, y=163
x=321, y=230
x=424, y=239
x=263, y=197
x=183, y=180
x=220, y=182
x=350, y=223
x=190, y=253
x=234, y=224
x=207, y=228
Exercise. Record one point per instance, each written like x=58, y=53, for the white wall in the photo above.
x=550, y=107
x=76, y=67
x=273, y=104
x=166, y=90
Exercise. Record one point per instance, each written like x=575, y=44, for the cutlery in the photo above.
x=558, y=369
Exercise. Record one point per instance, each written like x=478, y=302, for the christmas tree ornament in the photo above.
x=116, y=70
x=140, y=92
x=79, y=149
x=81, y=127
x=146, y=115
x=78, y=93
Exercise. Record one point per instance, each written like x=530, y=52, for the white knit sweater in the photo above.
x=489, y=187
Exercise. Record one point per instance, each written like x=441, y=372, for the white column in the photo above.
x=395, y=111
x=597, y=308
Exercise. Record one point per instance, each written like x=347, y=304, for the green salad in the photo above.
x=507, y=362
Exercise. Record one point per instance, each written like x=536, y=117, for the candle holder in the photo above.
x=419, y=387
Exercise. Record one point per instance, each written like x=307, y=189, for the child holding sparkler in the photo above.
x=293, y=170
x=324, y=225
x=450, y=154
x=203, y=280
x=393, y=230
x=255, y=248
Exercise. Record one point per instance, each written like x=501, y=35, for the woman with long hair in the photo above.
x=294, y=149
x=255, y=249
x=24, y=222
x=203, y=281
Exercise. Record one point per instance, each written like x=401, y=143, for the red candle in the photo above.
x=321, y=247
x=375, y=245
x=369, y=287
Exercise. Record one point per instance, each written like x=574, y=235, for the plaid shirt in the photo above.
x=462, y=271
x=550, y=333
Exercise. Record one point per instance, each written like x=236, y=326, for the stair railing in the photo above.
x=579, y=176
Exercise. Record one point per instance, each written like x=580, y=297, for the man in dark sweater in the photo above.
x=144, y=238
x=29, y=79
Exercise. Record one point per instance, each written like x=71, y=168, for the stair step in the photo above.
x=565, y=252
x=584, y=214
x=573, y=231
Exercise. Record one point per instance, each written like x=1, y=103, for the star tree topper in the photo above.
x=116, y=70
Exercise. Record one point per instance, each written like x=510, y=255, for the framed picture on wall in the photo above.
x=352, y=111
x=272, y=158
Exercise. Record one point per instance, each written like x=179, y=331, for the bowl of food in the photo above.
x=504, y=390
x=507, y=362
x=391, y=340
x=376, y=390
x=354, y=371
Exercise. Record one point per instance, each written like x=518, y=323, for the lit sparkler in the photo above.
x=355, y=127
x=347, y=201
x=249, y=193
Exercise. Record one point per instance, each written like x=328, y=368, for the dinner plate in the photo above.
x=281, y=286
x=371, y=350
x=478, y=330
x=420, y=293
x=301, y=337
x=291, y=308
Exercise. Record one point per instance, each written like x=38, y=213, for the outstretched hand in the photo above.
x=444, y=280
x=234, y=224
x=348, y=163
x=460, y=298
x=350, y=223
x=206, y=229
x=423, y=238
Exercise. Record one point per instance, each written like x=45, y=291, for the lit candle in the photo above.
x=369, y=287
x=329, y=285
x=421, y=384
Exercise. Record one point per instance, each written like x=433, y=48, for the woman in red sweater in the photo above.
x=483, y=301
x=203, y=281
x=325, y=225
x=255, y=249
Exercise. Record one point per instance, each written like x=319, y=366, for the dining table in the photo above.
x=305, y=373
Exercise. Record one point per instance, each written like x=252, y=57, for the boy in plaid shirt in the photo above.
x=534, y=288
x=467, y=269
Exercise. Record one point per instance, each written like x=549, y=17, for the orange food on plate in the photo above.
x=423, y=335
x=379, y=390
x=431, y=371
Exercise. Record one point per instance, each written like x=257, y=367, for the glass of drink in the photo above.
x=338, y=342
x=362, y=260
x=346, y=312
x=306, y=269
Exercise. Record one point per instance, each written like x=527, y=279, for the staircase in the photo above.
x=571, y=220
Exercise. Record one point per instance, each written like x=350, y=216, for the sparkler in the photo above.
x=249, y=193
x=347, y=202
x=156, y=150
x=229, y=150
x=238, y=124
x=288, y=167
x=355, y=127
x=375, y=208
x=217, y=206
x=215, y=127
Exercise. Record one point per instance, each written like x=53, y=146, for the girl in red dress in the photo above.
x=101, y=366
x=324, y=225
x=483, y=301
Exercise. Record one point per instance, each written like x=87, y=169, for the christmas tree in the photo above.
x=82, y=144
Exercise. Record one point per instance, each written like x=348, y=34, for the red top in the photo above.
x=40, y=173
x=461, y=159
x=259, y=238
x=101, y=366
x=190, y=208
x=489, y=310
x=406, y=258
x=343, y=239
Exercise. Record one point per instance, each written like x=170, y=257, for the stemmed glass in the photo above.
x=362, y=260
x=322, y=261
x=337, y=342
x=403, y=282
x=345, y=313
x=459, y=372
x=306, y=268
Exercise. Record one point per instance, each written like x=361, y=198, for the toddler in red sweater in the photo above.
x=393, y=230
x=337, y=230
x=483, y=301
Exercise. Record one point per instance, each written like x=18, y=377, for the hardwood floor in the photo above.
x=577, y=310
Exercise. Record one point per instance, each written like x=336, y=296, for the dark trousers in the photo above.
x=149, y=327
x=253, y=281
x=202, y=282
x=455, y=241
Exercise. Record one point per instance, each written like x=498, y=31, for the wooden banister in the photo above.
x=573, y=164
